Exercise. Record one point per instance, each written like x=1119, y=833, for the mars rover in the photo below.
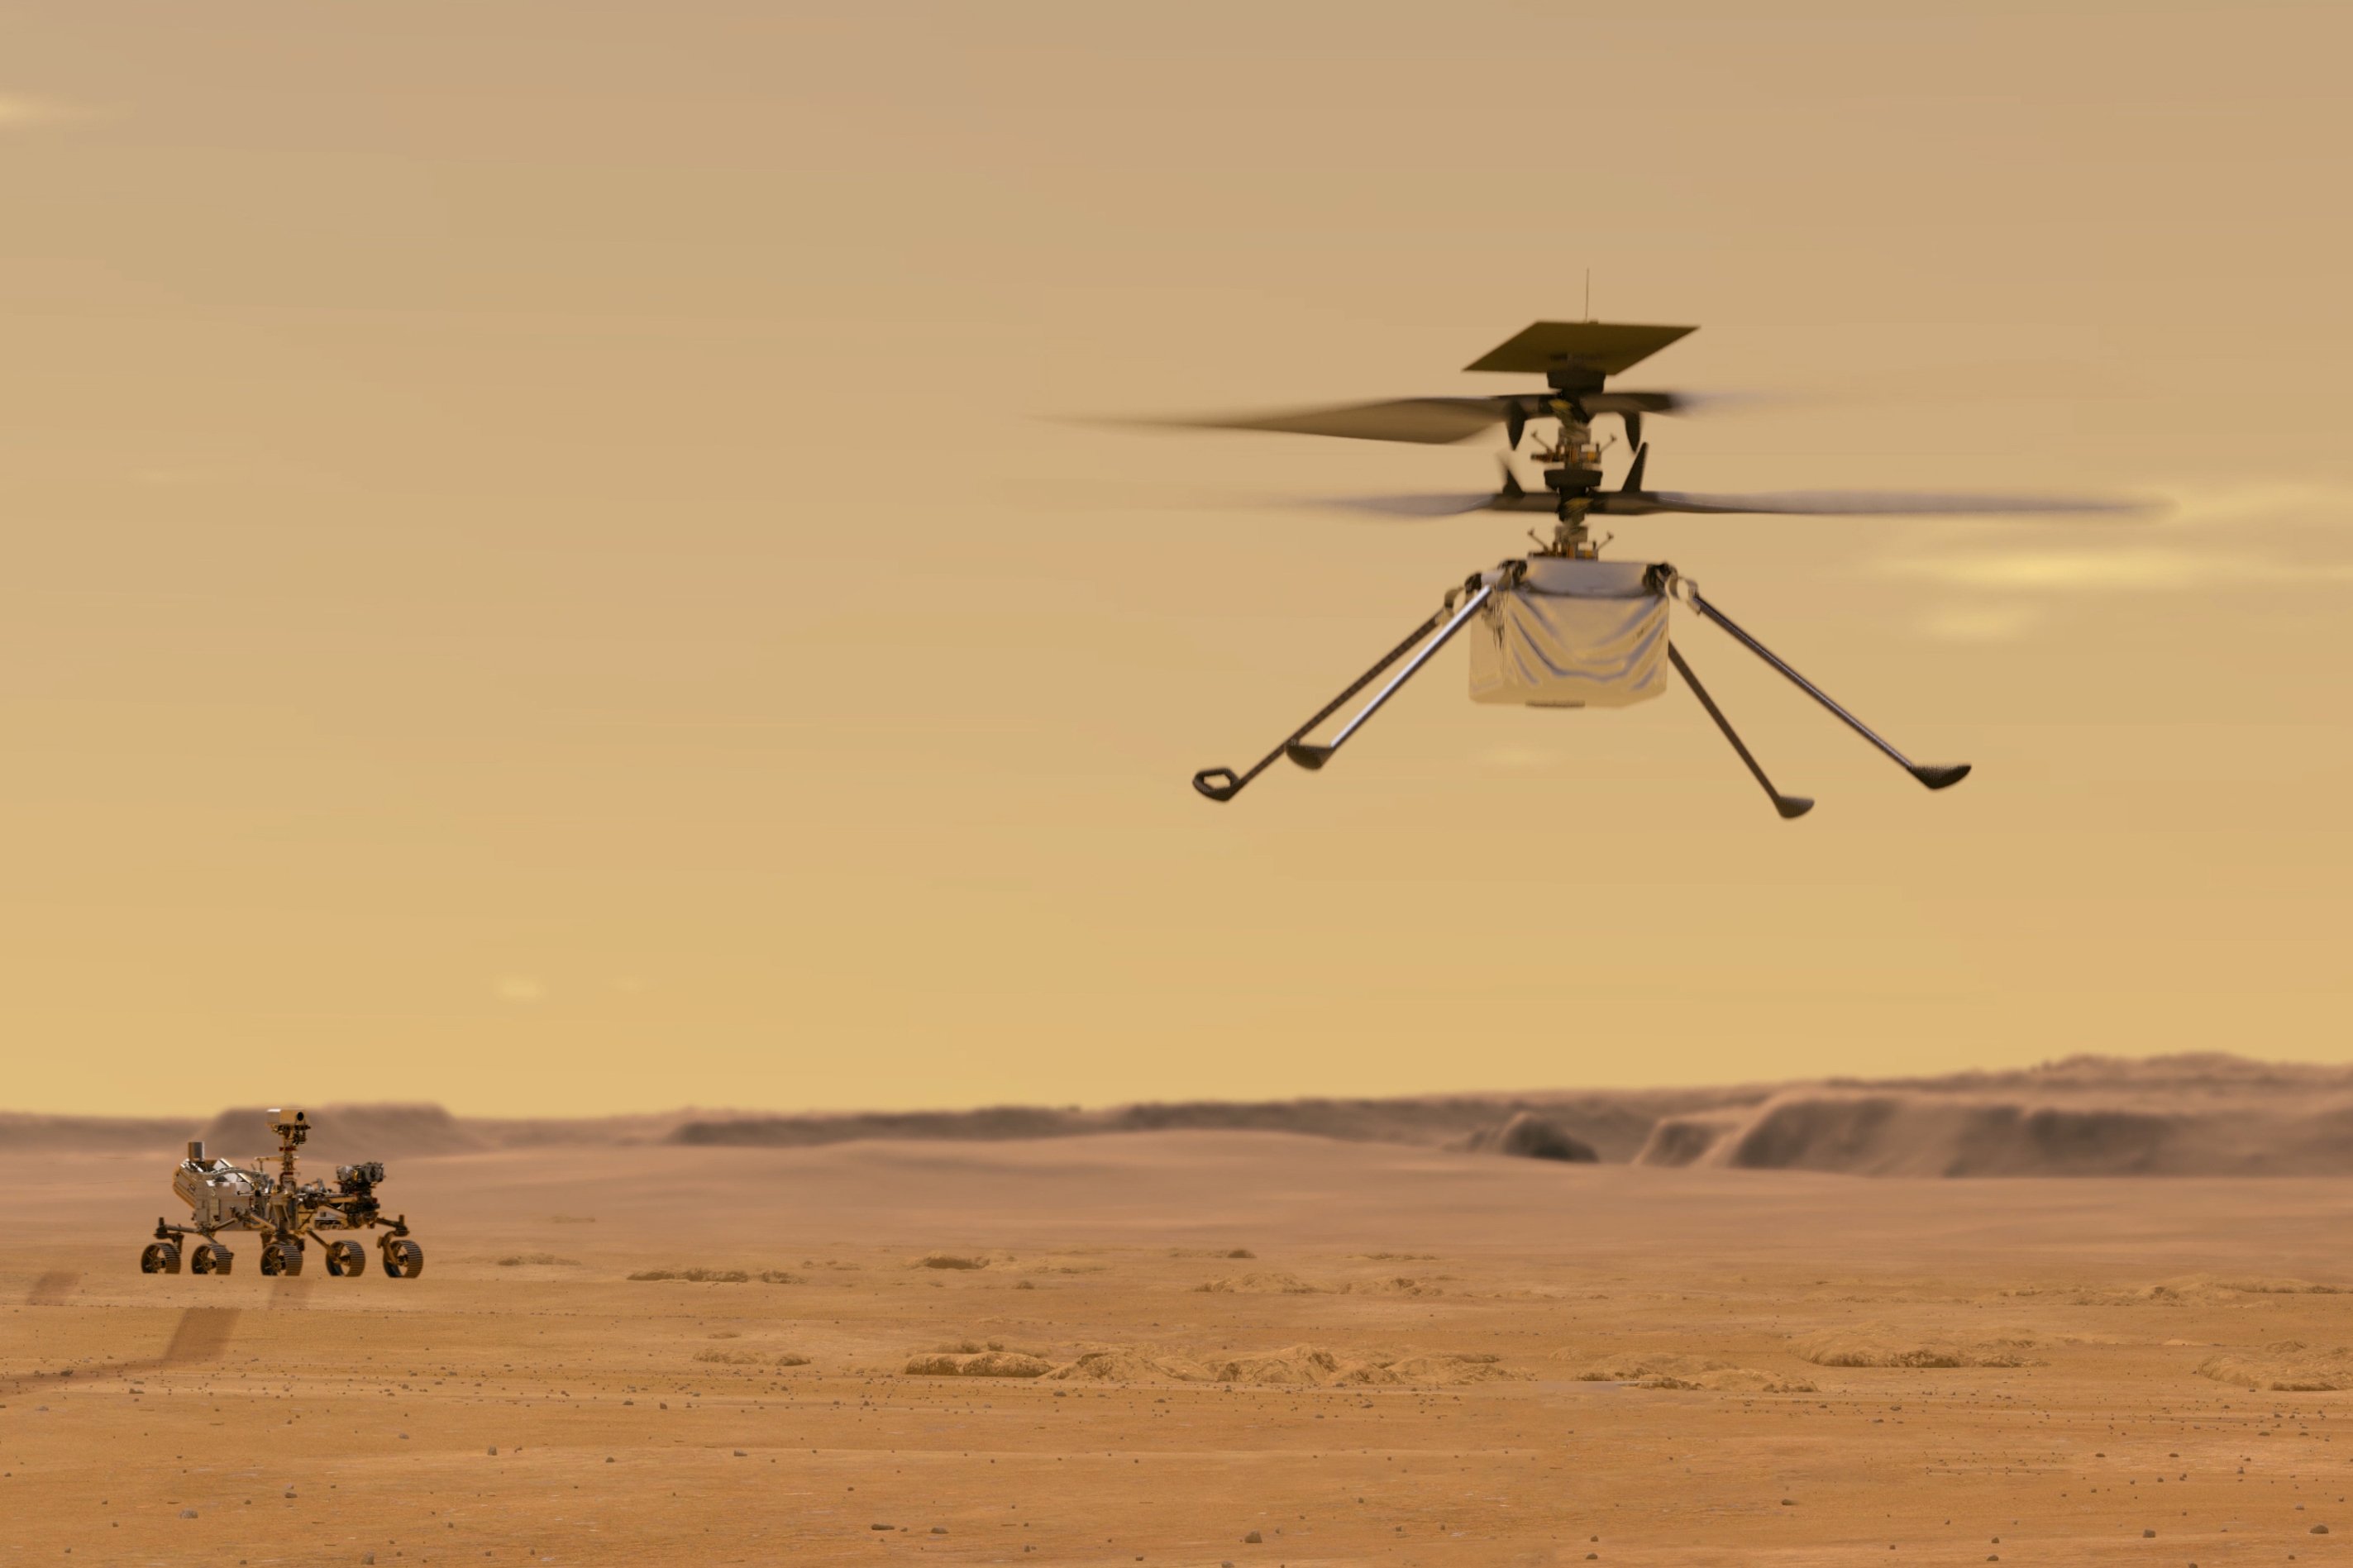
x=289, y=1213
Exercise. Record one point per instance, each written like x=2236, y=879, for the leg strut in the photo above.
x=1788, y=806
x=1313, y=757
x=1933, y=775
x=1224, y=783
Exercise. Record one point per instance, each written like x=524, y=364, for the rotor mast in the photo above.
x=1573, y=471
x=1576, y=359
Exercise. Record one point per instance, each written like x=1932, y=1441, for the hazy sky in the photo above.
x=543, y=571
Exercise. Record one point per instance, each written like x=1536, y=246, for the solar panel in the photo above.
x=1606, y=347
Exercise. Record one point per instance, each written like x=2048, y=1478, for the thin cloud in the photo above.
x=2294, y=500
x=1981, y=623
x=2148, y=569
x=2141, y=569
x=2212, y=539
x=520, y=989
x=18, y=111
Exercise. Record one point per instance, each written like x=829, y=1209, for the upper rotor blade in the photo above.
x=1864, y=503
x=1431, y=421
x=1639, y=402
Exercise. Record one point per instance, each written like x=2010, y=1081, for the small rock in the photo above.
x=939, y=1530
x=187, y=1513
x=494, y=1450
x=2319, y=1529
x=1252, y=1539
x=740, y=1454
x=1788, y=1502
x=2148, y=1535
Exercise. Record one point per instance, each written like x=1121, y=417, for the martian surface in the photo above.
x=1186, y=1346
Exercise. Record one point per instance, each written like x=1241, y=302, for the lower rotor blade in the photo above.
x=1866, y=504
x=1511, y=498
x=1419, y=506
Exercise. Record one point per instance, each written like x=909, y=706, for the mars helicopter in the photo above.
x=288, y=1212
x=1560, y=627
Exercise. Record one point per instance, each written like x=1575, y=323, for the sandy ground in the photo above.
x=1452, y=1309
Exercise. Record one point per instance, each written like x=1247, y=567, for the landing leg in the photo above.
x=1223, y=783
x=1933, y=775
x=1788, y=806
x=1313, y=757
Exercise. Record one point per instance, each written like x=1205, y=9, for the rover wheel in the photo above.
x=344, y=1258
x=211, y=1259
x=161, y=1257
x=403, y=1259
x=282, y=1257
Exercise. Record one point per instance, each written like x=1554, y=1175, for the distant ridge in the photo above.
x=32, y=1133
x=1614, y=1125
x=2203, y=1114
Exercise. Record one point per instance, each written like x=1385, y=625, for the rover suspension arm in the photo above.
x=1934, y=775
